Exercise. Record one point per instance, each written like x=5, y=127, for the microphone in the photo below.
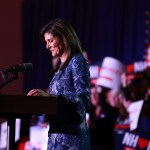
x=5, y=78
x=20, y=68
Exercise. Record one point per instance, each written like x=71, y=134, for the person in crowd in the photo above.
x=95, y=114
x=110, y=82
x=100, y=122
x=70, y=84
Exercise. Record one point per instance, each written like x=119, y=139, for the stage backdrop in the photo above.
x=11, y=42
x=106, y=28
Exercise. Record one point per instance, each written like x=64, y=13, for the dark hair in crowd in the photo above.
x=137, y=89
x=63, y=29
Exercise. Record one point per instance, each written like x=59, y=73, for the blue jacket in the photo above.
x=72, y=86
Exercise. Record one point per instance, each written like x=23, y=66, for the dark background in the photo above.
x=106, y=28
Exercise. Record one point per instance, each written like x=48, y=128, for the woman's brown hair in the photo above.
x=63, y=29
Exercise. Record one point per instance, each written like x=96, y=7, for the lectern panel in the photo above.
x=17, y=104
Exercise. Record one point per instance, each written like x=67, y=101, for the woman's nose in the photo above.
x=47, y=46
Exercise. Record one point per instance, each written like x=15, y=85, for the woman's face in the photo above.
x=94, y=96
x=54, y=44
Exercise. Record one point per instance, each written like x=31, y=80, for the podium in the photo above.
x=17, y=106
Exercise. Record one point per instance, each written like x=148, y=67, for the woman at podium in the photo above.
x=71, y=84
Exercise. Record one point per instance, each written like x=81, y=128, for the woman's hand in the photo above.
x=37, y=92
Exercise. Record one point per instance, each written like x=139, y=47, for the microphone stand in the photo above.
x=10, y=120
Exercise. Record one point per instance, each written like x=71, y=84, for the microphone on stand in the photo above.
x=20, y=68
x=14, y=69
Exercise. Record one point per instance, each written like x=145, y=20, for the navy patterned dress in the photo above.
x=68, y=128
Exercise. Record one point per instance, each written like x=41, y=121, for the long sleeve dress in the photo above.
x=68, y=128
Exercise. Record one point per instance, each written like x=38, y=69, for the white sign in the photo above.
x=3, y=133
x=134, y=113
x=39, y=137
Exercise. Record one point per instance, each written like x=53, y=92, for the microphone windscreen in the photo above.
x=28, y=66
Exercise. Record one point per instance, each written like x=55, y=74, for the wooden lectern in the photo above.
x=17, y=106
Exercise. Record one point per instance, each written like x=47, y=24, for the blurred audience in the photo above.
x=131, y=97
